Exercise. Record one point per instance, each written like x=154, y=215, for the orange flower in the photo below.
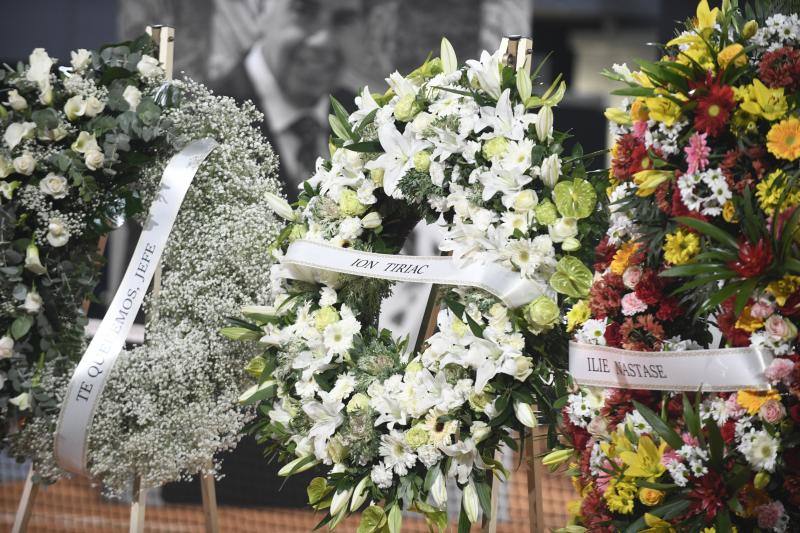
x=625, y=256
x=748, y=322
x=783, y=140
x=752, y=400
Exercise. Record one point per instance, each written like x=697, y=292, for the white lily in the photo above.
x=487, y=72
x=280, y=206
x=504, y=119
x=470, y=503
x=327, y=416
x=399, y=156
x=365, y=104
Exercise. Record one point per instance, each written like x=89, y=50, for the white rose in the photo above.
x=371, y=220
x=550, y=170
x=85, y=142
x=57, y=234
x=54, y=185
x=93, y=159
x=16, y=101
x=350, y=228
x=55, y=134
x=544, y=123
x=525, y=200
x=479, y=431
x=25, y=164
x=23, y=401
x=6, y=347
x=523, y=366
x=563, y=228
x=33, y=302
x=421, y=122
x=17, y=131
x=75, y=107
x=80, y=59
x=94, y=106
x=149, y=67
x=40, y=65
x=133, y=96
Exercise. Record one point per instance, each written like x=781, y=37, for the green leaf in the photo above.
x=712, y=231
x=634, y=91
x=365, y=147
x=692, y=270
x=716, y=444
x=667, y=511
x=720, y=296
x=366, y=121
x=744, y=295
x=236, y=333
x=395, y=520
x=464, y=524
x=317, y=490
x=485, y=497
x=659, y=426
x=21, y=326
x=691, y=418
x=336, y=126
x=372, y=519
x=258, y=392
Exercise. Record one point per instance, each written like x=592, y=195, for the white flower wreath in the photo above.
x=461, y=146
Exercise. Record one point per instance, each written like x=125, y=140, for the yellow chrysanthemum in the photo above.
x=783, y=139
x=732, y=53
x=748, y=322
x=620, y=496
x=680, y=247
x=729, y=212
x=770, y=190
x=623, y=257
x=579, y=314
x=752, y=400
x=783, y=288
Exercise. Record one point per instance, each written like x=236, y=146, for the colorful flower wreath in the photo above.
x=703, y=230
x=73, y=142
x=461, y=146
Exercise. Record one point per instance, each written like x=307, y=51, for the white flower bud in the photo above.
x=133, y=96
x=6, y=347
x=551, y=170
x=23, y=401
x=525, y=414
x=280, y=206
x=470, y=503
x=16, y=101
x=544, y=123
x=439, y=489
x=32, y=261
x=371, y=220
x=339, y=501
x=359, y=494
x=288, y=468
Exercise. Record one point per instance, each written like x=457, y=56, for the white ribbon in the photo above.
x=90, y=375
x=721, y=370
x=304, y=259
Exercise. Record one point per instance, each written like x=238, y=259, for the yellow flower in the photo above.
x=646, y=461
x=748, y=322
x=752, y=400
x=651, y=497
x=579, y=314
x=656, y=525
x=680, y=247
x=648, y=181
x=620, y=496
x=662, y=109
x=706, y=17
x=639, y=110
x=783, y=139
x=620, y=116
x=783, y=288
x=729, y=212
x=623, y=257
x=760, y=100
x=732, y=53
x=770, y=190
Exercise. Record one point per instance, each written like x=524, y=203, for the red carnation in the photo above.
x=650, y=288
x=605, y=296
x=780, y=68
x=604, y=254
x=728, y=431
x=629, y=157
x=753, y=259
x=595, y=513
x=708, y=496
x=612, y=335
x=714, y=107
x=669, y=309
x=642, y=333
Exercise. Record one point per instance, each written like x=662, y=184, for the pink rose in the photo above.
x=772, y=411
x=780, y=328
x=631, y=304
x=770, y=514
x=631, y=276
x=762, y=309
x=779, y=369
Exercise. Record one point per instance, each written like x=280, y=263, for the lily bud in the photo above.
x=557, y=457
x=551, y=170
x=761, y=480
x=525, y=414
x=32, y=261
x=439, y=489
x=448, y=55
x=339, y=501
x=359, y=494
x=470, y=503
x=750, y=29
x=544, y=123
x=287, y=470
x=371, y=220
x=280, y=206
x=524, y=86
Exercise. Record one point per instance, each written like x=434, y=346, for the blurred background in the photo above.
x=286, y=56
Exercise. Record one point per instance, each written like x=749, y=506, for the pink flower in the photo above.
x=670, y=456
x=639, y=129
x=762, y=309
x=631, y=276
x=690, y=440
x=631, y=304
x=769, y=514
x=779, y=369
x=733, y=408
x=772, y=411
x=697, y=153
x=603, y=477
x=779, y=328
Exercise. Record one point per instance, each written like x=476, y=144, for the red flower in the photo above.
x=630, y=157
x=792, y=305
x=726, y=322
x=714, y=106
x=649, y=289
x=669, y=309
x=604, y=254
x=605, y=296
x=619, y=402
x=753, y=259
x=780, y=68
x=794, y=412
x=595, y=514
x=792, y=486
x=612, y=336
x=708, y=496
x=728, y=431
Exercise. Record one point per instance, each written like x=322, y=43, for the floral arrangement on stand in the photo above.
x=703, y=231
x=74, y=139
x=461, y=145
x=172, y=404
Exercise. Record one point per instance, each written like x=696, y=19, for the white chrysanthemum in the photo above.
x=760, y=449
x=397, y=454
x=381, y=476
